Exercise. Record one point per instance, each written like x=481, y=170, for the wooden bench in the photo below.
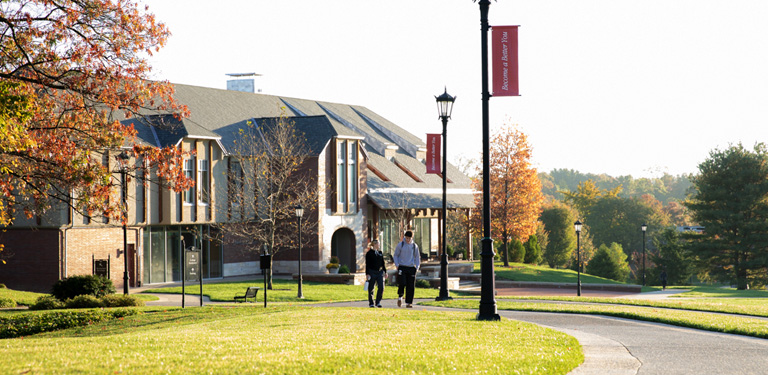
x=249, y=293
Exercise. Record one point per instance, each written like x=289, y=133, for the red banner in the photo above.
x=433, y=153
x=504, y=56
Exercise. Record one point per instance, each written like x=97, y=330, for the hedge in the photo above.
x=29, y=324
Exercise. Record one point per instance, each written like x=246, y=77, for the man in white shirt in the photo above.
x=407, y=259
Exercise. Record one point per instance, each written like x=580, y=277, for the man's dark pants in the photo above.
x=406, y=279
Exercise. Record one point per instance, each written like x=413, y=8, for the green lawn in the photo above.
x=528, y=272
x=295, y=340
x=21, y=297
x=287, y=291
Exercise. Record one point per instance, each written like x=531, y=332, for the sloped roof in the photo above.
x=220, y=114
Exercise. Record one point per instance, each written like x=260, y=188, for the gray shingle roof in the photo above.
x=219, y=114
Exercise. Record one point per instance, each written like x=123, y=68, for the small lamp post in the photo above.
x=444, y=109
x=299, y=214
x=643, y=228
x=122, y=159
x=577, y=227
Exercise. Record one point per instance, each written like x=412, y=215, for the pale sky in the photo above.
x=620, y=87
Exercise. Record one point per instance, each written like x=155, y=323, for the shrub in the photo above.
x=516, y=251
x=609, y=262
x=343, y=269
x=84, y=301
x=74, y=286
x=47, y=303
x=532, y=250
x=421, y=283
x=30, y=324
x=2, y=286
x=121, y=300
x=7, y=302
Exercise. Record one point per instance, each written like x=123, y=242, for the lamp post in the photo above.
x=299, y=214
x=444, y=108
x=123, y=158
x=487, y=282
x=643, y=228
x=577, y=227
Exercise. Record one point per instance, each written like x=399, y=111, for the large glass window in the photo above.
x=156, y=253
x=421, y=235
x=163, y=252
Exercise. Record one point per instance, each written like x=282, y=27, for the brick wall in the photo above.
x=33, y=263
x=103, y=243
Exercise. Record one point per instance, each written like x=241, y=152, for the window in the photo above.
x=341, y=175
x=352, y=176
x=189, y=195
x=202, y=182
x=346, y=176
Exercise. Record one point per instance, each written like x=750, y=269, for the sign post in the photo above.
x=265, y=262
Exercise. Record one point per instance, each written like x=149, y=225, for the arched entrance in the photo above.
x=343, y=246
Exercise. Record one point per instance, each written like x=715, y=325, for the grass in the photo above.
x=528, y=272
x=21, y=297
x=287, y=291
x=295, y=340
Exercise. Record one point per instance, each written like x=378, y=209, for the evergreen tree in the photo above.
x=673, y=257
x=517, y=251
x=731, y=202
x=558, y=221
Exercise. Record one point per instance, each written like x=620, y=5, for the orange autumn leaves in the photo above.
x=79, y=68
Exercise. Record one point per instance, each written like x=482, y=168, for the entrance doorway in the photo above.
x=343, y=247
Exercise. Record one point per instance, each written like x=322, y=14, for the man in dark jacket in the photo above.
x=375, y=271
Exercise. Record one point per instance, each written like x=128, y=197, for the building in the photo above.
x=370, y=173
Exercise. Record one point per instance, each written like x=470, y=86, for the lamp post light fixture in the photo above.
x=299, y=214
x=577, y=227
x=643, y=228
x=444, y=108
x=122, y=159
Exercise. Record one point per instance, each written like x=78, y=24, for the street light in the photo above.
x=643, y=228
x=444, y=108
x=487, y=282
x=577, y=227
x=123, y=158
x=299, y=214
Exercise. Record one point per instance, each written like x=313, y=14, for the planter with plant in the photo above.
x=333, y=266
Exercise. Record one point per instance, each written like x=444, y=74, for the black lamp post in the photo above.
x=577, y=227
x=299, y=214
x=123, y=158
x=444, y=108
x=643, y=228
x=487, y=282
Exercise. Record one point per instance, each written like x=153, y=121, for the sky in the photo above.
x=621, y=87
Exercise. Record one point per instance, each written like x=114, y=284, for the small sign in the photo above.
x=192, y=269
x=266, y=261
x=101, y=267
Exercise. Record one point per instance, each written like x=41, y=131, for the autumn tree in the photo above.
x=268, y=179
x=516, y=196
x=586, y=195
x=70, y=70
x=731, y=202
